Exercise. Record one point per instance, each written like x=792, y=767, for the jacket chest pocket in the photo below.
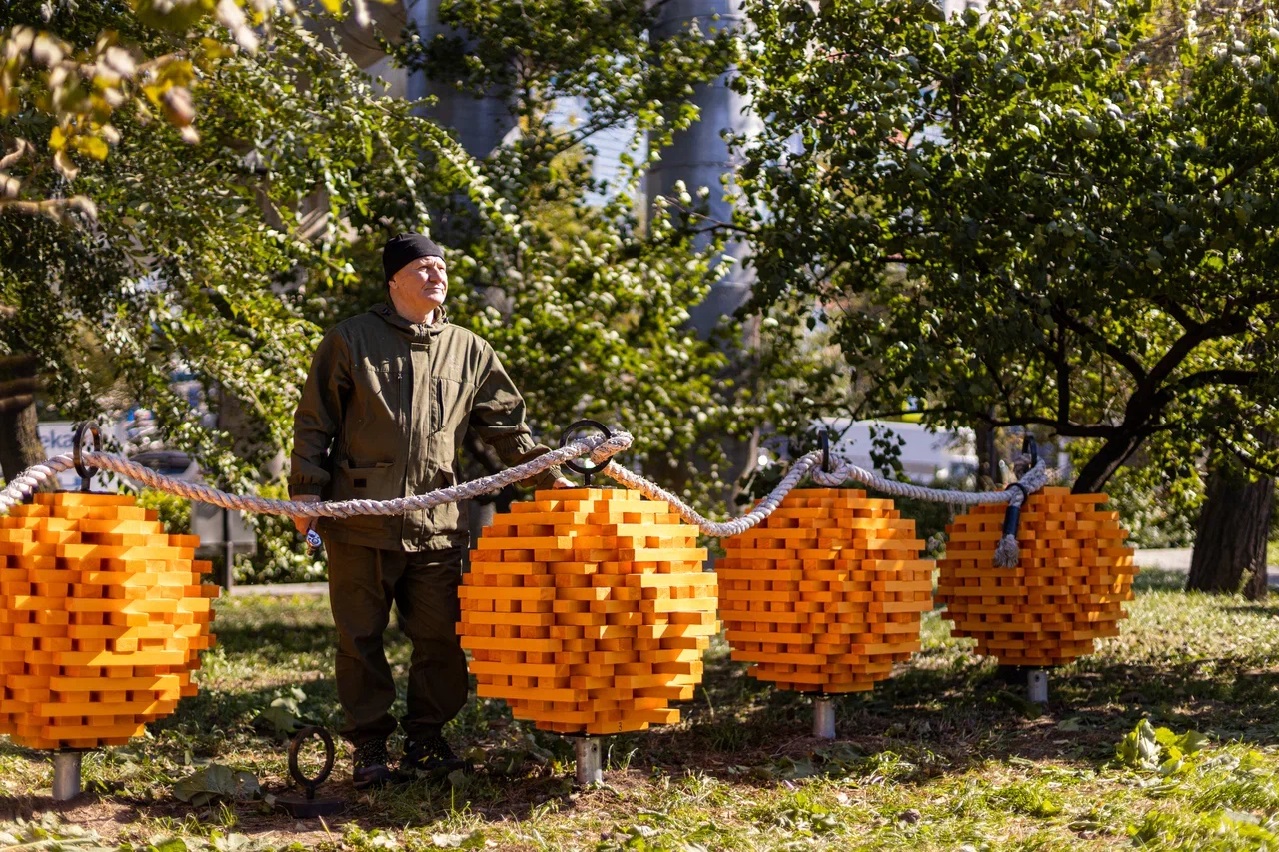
x=450, y=404
x=379, y=396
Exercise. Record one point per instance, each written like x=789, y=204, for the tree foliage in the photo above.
x=224, y=257
x=586, y=294
x=1010, y=218
x=69, y=71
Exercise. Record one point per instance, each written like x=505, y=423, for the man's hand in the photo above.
x=561, y=482
x=303, y=523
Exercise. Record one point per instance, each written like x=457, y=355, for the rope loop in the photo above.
x=830, y=478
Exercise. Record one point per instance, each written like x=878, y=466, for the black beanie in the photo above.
x=403, y=249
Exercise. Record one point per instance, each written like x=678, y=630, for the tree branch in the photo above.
x=1175, y=311
x=20, y=148
x=1247, y=459
x=1221, y=326
x=1206, y=378
x=1068, y=430
x=15, y=403
x=1122, y=357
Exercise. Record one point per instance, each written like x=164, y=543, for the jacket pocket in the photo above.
x=370, y=482
x=446, y=518
x=375, y=409
x=450, y=408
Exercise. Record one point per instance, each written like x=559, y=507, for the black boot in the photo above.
x=371, y=765
x=432, y=756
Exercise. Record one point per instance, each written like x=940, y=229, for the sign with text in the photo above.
x=58, y=438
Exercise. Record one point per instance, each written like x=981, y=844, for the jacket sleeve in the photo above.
x=498, y=417
x=319, y=416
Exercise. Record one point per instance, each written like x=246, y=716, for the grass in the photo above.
x=945, y=755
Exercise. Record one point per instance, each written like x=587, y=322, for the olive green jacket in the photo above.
x=383, y=412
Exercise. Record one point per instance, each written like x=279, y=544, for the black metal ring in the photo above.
x=576, y=464
x=77, y=448
x=823, y=439
x=1025, y=492
x=330, y=756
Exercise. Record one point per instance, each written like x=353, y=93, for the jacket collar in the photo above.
x=388, y=313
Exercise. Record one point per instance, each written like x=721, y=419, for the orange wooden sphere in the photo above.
x=587, y=611
x=102, y=618
x=1067, y=589
x=826, y=593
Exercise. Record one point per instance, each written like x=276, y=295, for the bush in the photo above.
x=282, y=555
x=174, y=511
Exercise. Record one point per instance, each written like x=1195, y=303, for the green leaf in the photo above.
x=217, y=782
x=1140, y=748
x=1191, y=742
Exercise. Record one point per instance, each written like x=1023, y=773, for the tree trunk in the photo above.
x=1230, y=541
x=20, y=445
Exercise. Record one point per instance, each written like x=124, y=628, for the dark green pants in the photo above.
x=363, y=584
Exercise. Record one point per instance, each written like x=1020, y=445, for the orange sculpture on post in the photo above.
x=587, y=611
x=102, y=618
x=826, y=593
x=1067, y=589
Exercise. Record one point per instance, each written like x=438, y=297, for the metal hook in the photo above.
x=576, y=465
x=1028, y=445
x=77, y=449
x=823, y=439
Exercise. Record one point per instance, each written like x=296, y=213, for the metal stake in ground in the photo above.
x=1037, y=686
x=590, y=764
x=66, y=774
x=823, y=717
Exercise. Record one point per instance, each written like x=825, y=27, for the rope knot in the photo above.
x=830, y=478
x=1008, y=551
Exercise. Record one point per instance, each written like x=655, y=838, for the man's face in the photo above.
x=421, y=285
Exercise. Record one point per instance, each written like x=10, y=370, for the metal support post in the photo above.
x=66, y=775
x=1037, y=686
x=228, y=544
x=824, y=717
x=590, y=765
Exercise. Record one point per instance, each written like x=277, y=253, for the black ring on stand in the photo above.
x=330, y=756
x=77, y=449
x=823, y=439
x=576, y=465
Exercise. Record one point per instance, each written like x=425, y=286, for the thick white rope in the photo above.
x=601, y=449
x=811, y=465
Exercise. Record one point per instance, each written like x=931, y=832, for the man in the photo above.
x=389, y=398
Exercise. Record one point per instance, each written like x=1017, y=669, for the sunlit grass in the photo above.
x=945, y=755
